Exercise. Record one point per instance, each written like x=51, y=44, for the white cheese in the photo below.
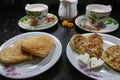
x=84, y=58
x=94, y=62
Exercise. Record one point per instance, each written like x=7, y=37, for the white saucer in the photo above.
x=35, y=66
x=104, y=73
x=110, y=25
x=45, y=25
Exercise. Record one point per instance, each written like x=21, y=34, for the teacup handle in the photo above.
x=27, y=5
x=109, y=6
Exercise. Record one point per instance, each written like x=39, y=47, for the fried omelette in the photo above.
x=111, y=56
x=37, y=46
x=78, y=43
x=95, y=45
x=91, y=44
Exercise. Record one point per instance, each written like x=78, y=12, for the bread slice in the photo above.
x=37, y=46
x=14, y=54
x=111, y=56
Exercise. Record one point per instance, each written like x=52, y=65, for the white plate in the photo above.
x=35, y=66
x=110, y=25
x=106, y=73
x=45, y=25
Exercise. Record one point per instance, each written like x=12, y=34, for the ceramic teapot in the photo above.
x=68, y=9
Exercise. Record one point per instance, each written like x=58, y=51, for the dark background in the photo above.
x=12, y=10
x=18, y=5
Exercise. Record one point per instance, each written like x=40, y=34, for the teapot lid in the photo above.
x=69, y=0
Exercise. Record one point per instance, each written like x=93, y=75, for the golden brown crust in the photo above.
x=92, y=44
x=13, y=54
x=95, y=39
x=38, y=46
x=95, y=45
x=78, y=43
x=111, y=56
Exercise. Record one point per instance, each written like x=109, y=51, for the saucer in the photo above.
x=110, y=25
x=50, y=22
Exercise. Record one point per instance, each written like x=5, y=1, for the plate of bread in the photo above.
x=96, y=55
x=29, y=54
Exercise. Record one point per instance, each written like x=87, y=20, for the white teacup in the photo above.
x=97, y=14
x=37, y=13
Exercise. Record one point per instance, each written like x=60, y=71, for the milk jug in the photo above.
x=68, y=9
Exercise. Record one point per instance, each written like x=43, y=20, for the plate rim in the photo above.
x=20, y=24
x=78, y=17
x=48, y=65
x=80, y=70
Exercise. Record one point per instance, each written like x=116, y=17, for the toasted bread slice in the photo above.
x=111, y=56
x=14, y=54
x=37, y=46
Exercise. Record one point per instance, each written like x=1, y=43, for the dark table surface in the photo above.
x=62, y=70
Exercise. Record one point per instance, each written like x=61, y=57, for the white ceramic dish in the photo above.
x=110, y=25
x=47, y=24
x=104, y=73
x=35, y=66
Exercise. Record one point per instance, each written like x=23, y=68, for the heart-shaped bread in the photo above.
x=37, y=46
x=91, y=44
x=14, y=54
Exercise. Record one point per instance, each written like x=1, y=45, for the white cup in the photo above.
x=97, y=14
x=37, y=13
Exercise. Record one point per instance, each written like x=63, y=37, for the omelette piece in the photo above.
x=91, y=44
x=95, y=39
x=95, y=45
x=78, y=43
x=14, y=54
x=111, y=56
x=37, y=46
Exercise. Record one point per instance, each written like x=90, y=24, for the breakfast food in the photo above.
x=84, y=58
x=111, y=56
x=91, y=62
x=25, y=48
x=95, y=45
x=37, y=46
x=91, y=44
x=39, y=8
x=14, y=54
x=78, y=43
x=95, y=62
